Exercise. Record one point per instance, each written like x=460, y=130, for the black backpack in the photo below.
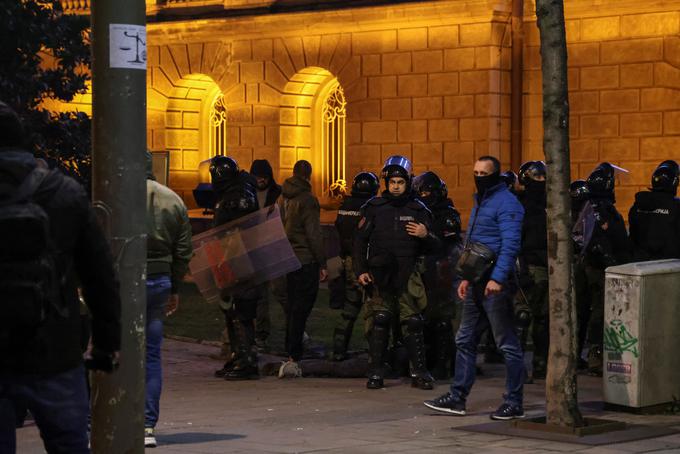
x=29, y=280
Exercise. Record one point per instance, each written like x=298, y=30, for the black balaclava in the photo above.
x=535, y=187
x=487, y=182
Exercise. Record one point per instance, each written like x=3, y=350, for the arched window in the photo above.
x=333, y=115
x=218, y=127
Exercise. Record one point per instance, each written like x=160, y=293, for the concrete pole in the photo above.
x=119, y=192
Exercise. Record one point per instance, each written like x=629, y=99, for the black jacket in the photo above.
x=346, y=223
x=600, y=234
x=654, y=221
x=383, y=246
x=82, y=249
x=534, y=229
x=301, y=217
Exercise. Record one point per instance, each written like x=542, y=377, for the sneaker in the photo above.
x=506, y=412
x=447, y=404
x=149, y=439
x=290, y=369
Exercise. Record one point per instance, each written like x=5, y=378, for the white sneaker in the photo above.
x=149, y=439
x=290, y=369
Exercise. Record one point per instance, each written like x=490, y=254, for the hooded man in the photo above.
x=301, y=220
x=268, y=193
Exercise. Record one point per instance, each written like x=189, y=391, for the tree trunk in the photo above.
x=561, y=387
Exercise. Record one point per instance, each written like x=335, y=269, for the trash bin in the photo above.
x=642, y=334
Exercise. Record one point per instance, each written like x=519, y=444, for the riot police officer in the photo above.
x=391, y=235
x=534, y=259
x=364, y=187
x=654, y=218
x=578, y=192
x=236, y=195
x=602, y=241
x=438, y=276
x=510, y=179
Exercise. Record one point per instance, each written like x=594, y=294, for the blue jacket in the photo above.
x=498, y=227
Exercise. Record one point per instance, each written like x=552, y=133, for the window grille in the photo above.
x=333, y=115
x=218, y=127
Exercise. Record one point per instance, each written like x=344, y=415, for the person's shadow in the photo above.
x=186, y=438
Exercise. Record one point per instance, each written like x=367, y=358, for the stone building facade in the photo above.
x=427, y=79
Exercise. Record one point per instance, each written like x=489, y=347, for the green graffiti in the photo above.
x=619, y=340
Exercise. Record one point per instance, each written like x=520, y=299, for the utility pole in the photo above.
x=119, y=192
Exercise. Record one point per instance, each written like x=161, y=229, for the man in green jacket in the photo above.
x=301, y=221
x=168, y=253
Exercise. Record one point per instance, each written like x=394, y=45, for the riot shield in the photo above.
x=242, y=254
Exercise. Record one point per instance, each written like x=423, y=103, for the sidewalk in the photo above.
x=202, y=414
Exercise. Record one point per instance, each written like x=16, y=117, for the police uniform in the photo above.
x=346, y=223
x=236, y=196
x=384, y=249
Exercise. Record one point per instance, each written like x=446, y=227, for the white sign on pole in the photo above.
x=127, y=46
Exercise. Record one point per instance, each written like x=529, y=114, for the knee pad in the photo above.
x=415, y=323
x=382, y=319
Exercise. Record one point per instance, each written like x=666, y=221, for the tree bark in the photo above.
x=561, y=387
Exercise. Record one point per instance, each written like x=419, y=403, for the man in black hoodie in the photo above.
x=236, y=197
x=533, y=259
x=40, y=352
x=301, y=221
x=268, y=193
x=364, y=186
x=654, y=218
x=392, y=234
x=438, y=276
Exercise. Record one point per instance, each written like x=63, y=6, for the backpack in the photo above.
x=29, y=282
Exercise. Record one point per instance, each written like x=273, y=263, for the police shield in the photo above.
x=242, y=254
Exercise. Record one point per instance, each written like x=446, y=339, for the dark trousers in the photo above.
x=480, y=312
x=303, y=287
x=58, y=403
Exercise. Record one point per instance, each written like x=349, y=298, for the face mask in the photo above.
x=536, y=187
x=487, y=182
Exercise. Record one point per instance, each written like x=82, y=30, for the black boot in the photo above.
x=341, y=337
x=377, y=345
x=415, y=344
x=245, y=366
x=444, y=347
x=233, y=345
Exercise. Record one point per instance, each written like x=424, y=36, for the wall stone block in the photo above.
x=443, y=37
x=459, y=106
x=654, y=24
x=412, y=38
x=398, y=63
x=475, y=34
x=443, y=84
x=666, y=75
x=599, y=125
x=396, y=109
x=430, y=107
x=600, y=28
x=311, y=46
x=637, y=75
x=380, y=132
x=364, y=110
x=413, y=85
x=631, y=51
x=584, y=150
x=428, y=154
x=444, y=130
x=428, y=61
x=252, y=136
x=660, y=99
x=374, y=42
x=597, y=77
x=370, y=65
x=472, y=129
x=659, y=148
x=641, y=124
x=619, y=149
x=671, y=122
x=619, y=100
x=412, y=131
x=382, y=87
x=459, y=59
x=584, y=54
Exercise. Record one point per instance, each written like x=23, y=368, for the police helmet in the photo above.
x=365, y=184
x=430, y=182
x=397, y=166
x=665, y=177
x=531, y=170
x=509, y=178
x=578, y=190
x=601, y=180
x=223, y=168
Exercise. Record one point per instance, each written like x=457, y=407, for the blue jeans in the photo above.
x=478, y=313
x=58, y=403
x=157, y=294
